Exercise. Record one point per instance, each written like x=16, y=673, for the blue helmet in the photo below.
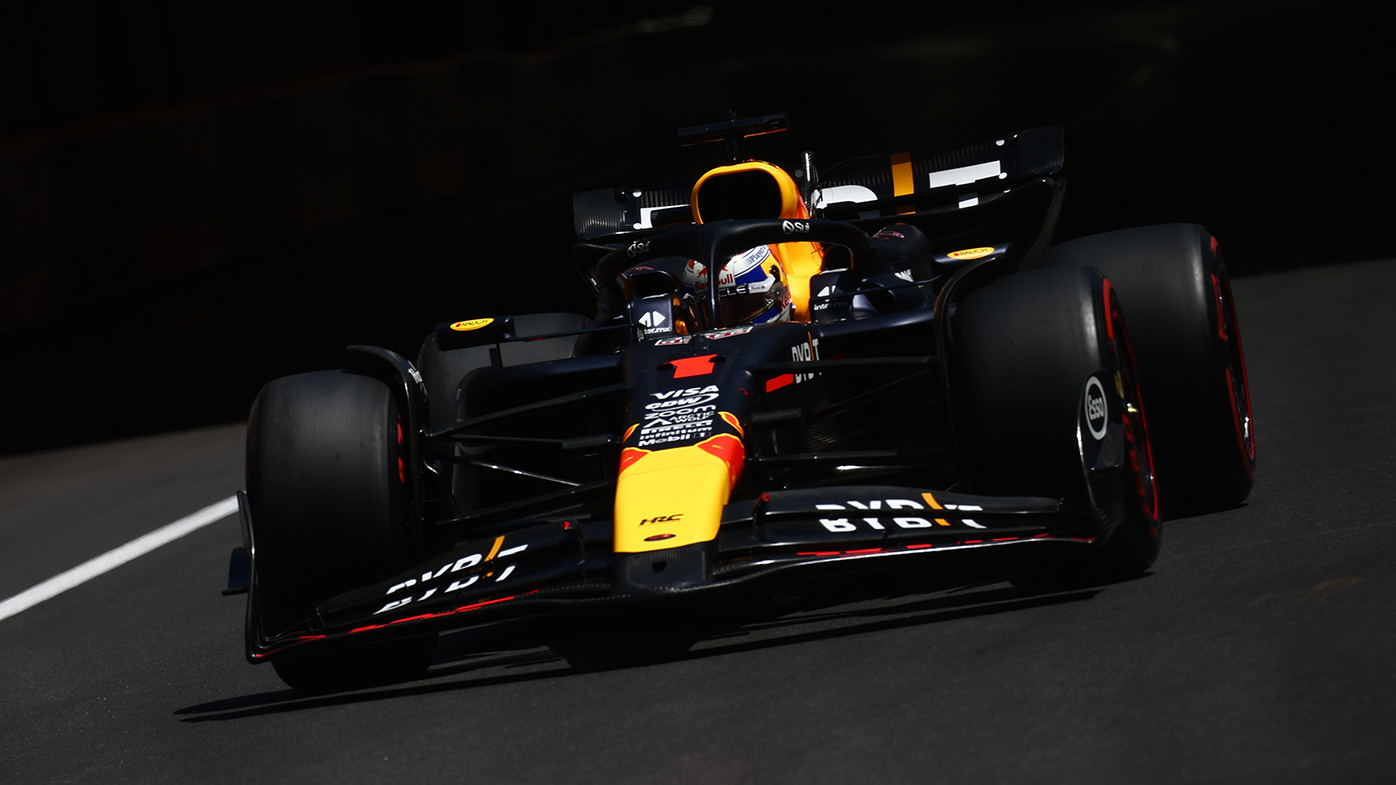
x=751, y=288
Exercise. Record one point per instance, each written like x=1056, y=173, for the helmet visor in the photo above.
x=744, y=308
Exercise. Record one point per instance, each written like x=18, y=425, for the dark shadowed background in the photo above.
x=197, y=197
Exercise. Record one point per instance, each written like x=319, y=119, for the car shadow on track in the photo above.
x=1190, y=515
x=806, y=627
x=963, y=603
x=277, y=701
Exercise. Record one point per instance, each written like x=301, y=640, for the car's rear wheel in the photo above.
x=1173, y=282
x=1026, y=346
x=326, y=485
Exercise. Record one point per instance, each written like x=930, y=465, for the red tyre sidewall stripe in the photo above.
x=1246, y=447
x=1124, y=350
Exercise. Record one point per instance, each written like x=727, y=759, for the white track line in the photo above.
x=115, y=558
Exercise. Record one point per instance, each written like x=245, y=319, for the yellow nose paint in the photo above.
x=668, y=498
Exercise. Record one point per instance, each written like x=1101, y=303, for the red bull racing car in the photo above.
x=896, y=374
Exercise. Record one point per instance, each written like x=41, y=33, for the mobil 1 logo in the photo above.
x=678, y=415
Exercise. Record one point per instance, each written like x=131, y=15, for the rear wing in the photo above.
x=946, y=177
x=956, y=175
x=612, y=211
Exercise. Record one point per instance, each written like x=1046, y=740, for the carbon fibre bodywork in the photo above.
x=702, y=465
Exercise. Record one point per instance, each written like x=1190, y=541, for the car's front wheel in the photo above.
x=1174, y=285
x=326, y=487
x=1026, y=347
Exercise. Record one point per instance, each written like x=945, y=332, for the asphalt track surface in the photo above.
x=1259, y=649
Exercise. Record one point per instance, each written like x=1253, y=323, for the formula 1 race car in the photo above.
x=892, y=372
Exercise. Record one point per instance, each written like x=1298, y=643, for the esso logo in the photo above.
x=795, y=227
x=1095, y=408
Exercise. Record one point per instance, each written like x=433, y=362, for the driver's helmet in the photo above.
x=751, y=289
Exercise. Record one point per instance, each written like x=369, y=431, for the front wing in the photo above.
x=568, y=567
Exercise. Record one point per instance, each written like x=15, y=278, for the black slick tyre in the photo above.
x=326, y=484
x=1173, y=283
x=1025, y=346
